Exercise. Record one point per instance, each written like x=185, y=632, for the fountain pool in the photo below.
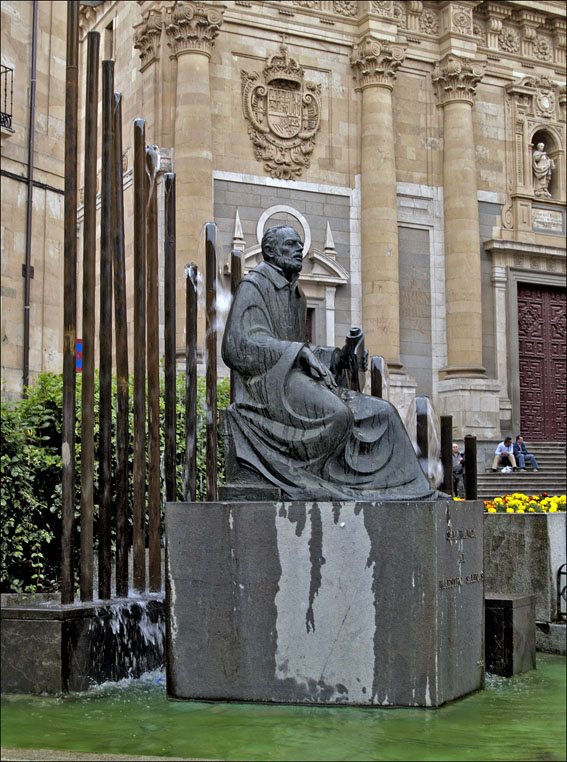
x=522, y=718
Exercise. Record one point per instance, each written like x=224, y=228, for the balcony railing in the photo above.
x=6, y=95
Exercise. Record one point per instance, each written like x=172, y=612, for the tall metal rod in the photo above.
x=447, y=453
x=69, y=303
x=191, y=302
x=121, y=328
x=152, y=329
x=211, y=349
x=235, y=276
x=169, y=336
x=105, y=334
x=89, y=283
x=139, y=466
x=471, y=492
x=29, y=210
x=376, y=378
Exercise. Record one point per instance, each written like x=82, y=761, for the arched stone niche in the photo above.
x=535, y=114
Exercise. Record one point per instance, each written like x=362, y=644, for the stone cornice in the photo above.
x=376, y=62
x=147, y=37
x=455, y=79
x=192, y=27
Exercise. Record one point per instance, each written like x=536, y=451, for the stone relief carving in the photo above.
x=284, y=113
x=429, y=21
x=543, y=49
x=509, y=41
x=193, y=26
x=345, y=7
x=383, y=7
x=401, y=14
x=461, y=20
x=307, y=3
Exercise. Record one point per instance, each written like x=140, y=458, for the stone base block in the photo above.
x=50, y=648
x=522, y=556
x=551, y=637
x=365, y=603
x=474, y=404
x=510, y=634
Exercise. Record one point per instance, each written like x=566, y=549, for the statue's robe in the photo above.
x=311, y=441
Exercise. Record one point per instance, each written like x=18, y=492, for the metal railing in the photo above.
x=562, y=592
x=7, y=95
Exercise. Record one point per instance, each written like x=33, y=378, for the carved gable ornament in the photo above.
x=284, y=113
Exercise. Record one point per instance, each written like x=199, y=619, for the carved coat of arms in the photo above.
x=284, y=113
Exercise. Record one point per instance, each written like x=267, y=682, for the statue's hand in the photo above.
x=315, y=369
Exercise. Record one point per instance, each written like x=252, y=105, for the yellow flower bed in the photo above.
x=519, y=503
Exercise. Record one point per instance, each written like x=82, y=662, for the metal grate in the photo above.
x=7, y=95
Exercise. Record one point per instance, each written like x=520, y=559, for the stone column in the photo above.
x=191, y=30
x=455, y=80
x=375, y=63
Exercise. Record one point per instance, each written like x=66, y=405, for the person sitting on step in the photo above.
x=504, y=451
x=521, y=454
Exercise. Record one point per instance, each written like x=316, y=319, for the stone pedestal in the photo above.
x=510, y=634
x=377, y=604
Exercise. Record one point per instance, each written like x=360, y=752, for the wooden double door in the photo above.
x=541, y=334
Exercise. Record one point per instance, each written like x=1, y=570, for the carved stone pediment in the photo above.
x=284, y=114
x=536, y=97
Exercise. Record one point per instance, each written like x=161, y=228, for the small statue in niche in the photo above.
x=290, y=421
x=543, y=166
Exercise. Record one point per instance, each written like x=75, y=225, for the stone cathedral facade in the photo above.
x=418, y=147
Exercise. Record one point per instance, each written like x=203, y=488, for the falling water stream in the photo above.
x=522, y=718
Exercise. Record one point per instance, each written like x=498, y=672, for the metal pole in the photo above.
x=152, y=328
x=447, y=453
x=89, y=283
x=169, y=335
x=211, y=367
x=190, y=470
x=69, y=304
x=29, y=211
x=470, y=468
x=376, y=386
x=105, y=335
x=235, y=276
x=121, y=329
x=139, y=466
x=422, y=427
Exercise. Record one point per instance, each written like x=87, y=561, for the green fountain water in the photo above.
x=522, y=718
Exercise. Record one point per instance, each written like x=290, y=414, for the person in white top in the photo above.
x=504, y=450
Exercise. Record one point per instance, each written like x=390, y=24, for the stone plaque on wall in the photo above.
x=547, y=220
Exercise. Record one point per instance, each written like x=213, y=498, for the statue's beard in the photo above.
x=287, y=264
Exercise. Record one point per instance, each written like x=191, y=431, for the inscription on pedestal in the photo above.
x=547, y=220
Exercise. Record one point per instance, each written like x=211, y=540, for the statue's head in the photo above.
x=540, y=146
x=282, y=246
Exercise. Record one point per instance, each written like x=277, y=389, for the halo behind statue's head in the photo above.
x=270, y=238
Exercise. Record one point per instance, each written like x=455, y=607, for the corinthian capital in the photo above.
x=193, y=27
x=455, y=79
x=376, y=62
x=147, y=36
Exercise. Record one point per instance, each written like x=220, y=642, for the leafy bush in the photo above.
x=30, y=490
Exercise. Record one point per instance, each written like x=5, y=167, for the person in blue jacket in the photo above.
x=521, y=454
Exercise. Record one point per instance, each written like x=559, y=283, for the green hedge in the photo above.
x=30, y=488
